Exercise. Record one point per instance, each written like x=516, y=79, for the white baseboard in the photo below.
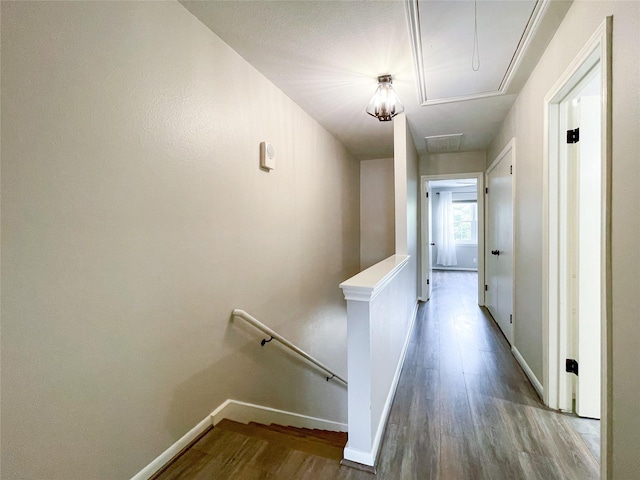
x=370, y=458
x=358, y=456
x=247, y=412
x=527, y=370
x=166, y=456
x=239, y=412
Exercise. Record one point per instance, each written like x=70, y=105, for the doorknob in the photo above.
x=432, y=244
x=495, y=252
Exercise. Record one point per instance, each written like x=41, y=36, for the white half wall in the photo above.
x=379, y=325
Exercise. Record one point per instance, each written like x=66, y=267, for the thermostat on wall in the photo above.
x=267, y=156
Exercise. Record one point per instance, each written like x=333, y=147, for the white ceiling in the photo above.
x=326, y=56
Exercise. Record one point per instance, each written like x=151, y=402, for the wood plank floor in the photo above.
x=463, y=410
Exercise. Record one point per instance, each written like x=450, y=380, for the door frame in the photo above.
x=597, y=50
x=509, y=146
x=424, y=228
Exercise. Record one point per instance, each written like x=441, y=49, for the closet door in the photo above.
x=499, y=244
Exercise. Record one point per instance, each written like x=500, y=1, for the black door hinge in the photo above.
x=486, y=190
x=427, y=194
x=511, y=169
x=572, y=366
x=573, y=136
x=486, y=288
x=427, y=281
x=511, y=318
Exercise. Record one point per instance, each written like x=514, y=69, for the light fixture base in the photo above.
x=385, y=104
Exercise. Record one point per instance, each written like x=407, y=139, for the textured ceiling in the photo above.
x=326, y=55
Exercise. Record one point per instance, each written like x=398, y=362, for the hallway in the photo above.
x=463, y=410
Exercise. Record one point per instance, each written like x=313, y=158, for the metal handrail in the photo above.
x=274, y=336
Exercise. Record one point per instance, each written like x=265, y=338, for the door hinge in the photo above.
x=573, y=136
x=427, y=281
x=486, y=190
x=572, y=366
x=427, y=194
x=510, y=318
x=511, y=169
x=486, y=287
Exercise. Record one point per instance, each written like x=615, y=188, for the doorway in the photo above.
x=580, y=393
x=577, y=235
x=460, y=244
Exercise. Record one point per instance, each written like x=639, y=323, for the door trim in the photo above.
x=597, y=49
x=424, y=251
x=511, y=145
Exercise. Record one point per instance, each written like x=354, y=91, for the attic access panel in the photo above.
x=445, y=33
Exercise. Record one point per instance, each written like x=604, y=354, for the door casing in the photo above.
x=597, y=51
x=424, y=230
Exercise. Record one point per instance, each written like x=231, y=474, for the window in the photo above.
x=465, y=222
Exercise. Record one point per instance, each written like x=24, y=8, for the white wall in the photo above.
x=135, y=217
x=377, y=222
x=413, y=219
x=406, y=172
x=407, y=189
x=525, y=122
x=452, y=163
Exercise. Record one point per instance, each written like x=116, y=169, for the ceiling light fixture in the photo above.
x=384, y=104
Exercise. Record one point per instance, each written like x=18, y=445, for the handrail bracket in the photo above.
x=274, y=336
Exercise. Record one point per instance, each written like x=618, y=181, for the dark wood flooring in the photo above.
x=463, y=410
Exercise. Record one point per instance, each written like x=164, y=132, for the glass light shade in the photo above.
x=384, y=104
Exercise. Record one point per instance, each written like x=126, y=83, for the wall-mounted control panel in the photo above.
x=267, y=156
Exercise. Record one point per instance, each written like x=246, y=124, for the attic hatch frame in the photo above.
x=413, y=24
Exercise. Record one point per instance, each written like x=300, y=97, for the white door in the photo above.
x=575, y=230
x=499, y=241
x=585, y=154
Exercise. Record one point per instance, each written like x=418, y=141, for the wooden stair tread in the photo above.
x=337, y=439
x=288, y=437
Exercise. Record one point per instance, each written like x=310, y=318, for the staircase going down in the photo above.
x=236, y=450
x=318, y=442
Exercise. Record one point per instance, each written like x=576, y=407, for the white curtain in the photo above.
x=446, y=242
